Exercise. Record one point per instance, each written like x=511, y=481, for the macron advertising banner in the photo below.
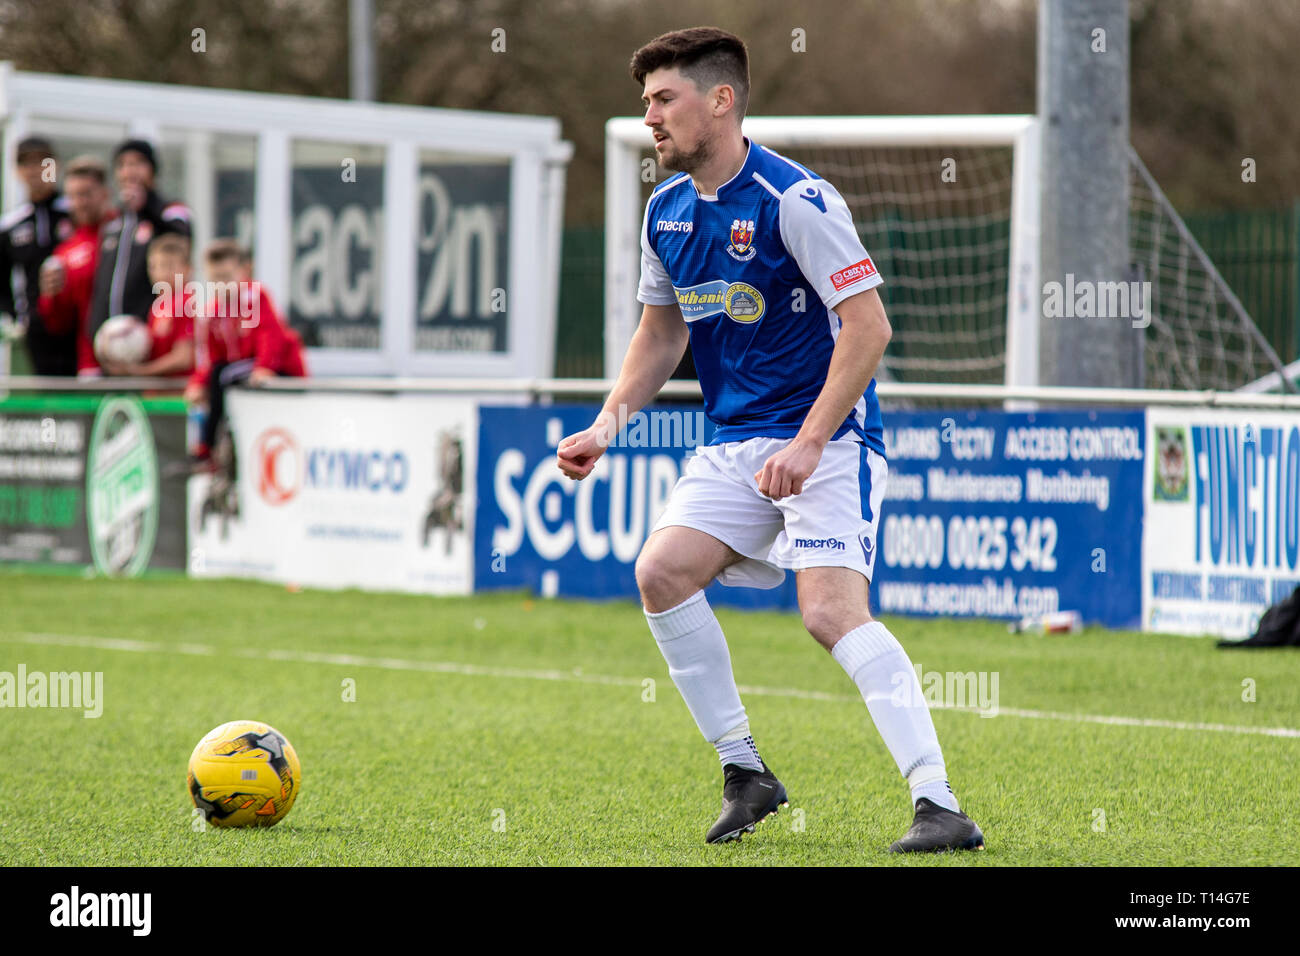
x=337, y=491
x=1222, y=535
x=1012, y=515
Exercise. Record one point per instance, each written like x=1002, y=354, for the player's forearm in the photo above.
x=652, y=355
x=857, y=354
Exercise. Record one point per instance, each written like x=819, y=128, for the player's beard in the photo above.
x=680, y=161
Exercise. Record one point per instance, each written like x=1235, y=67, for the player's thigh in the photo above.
x=832, y=601
x=676, y=561
x=717, y=494
x=832, y=522
x=829, y=538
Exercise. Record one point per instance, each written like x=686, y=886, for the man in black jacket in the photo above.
x=28, y=234
x=122, y=285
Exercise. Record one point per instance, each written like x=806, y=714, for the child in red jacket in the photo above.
x=245, y=340
x=171, y=318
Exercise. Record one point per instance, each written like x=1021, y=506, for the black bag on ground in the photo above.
x=1279, y=627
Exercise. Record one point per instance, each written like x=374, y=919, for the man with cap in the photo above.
x=122, y=285
x=28, y=234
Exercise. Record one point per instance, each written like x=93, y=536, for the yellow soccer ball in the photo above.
x=244, y=774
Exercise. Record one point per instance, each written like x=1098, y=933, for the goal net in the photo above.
x=1200, y=335
x=948, y=207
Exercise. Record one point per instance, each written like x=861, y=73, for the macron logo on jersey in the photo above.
x=854, y=273
x=674, y=225
x=814, y=196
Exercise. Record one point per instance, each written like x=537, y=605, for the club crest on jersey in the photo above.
x=741, y=247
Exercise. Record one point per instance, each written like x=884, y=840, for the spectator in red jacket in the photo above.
x=245, y=341
x=67, y=278
x=171, y=318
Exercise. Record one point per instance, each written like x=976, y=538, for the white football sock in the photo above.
x=877, y=663
x=737, y=746
x=699, y=663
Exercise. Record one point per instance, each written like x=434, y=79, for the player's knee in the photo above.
x=817, y=621
x=827, y=622
x=655, y=579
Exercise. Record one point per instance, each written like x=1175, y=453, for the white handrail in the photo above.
x=685, y=388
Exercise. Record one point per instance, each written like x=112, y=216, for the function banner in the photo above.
x=1222, y=537
x=96, y=482
x=1012, y=515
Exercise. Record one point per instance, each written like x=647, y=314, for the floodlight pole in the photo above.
x=361, y=49
x=1083, y=105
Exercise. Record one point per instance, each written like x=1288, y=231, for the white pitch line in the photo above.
x=578, y=676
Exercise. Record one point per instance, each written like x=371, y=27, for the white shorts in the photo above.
x=831, y=523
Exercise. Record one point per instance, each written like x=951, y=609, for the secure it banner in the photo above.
x=1009, y=515
x=93, y=481
x=539, y=530
x=1222, y=536
x=986, y=514
x=360, y=491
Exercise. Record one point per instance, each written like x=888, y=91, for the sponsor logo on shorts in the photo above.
x=854, y=273
x=834, y=543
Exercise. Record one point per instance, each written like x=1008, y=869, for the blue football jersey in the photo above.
x=757, y=270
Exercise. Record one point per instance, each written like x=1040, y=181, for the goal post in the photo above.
x=960, y=193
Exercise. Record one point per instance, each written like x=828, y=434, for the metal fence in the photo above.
x=1258, y=252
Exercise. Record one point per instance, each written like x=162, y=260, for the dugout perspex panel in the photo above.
x=398, y=240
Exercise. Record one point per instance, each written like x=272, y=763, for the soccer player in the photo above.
x=755, y=260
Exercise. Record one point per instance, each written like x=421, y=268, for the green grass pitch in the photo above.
x=500, y=730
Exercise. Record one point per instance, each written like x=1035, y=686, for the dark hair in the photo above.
x=224, y=249
x=141, y=146
x=37, y=147
x=171, y=244
x=706, y=55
